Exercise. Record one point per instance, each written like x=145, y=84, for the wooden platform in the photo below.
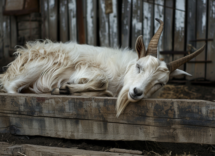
x=162, y=120
x=35, y=150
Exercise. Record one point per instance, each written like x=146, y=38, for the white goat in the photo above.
x=75, y=69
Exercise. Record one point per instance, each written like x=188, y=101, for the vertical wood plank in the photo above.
x=137, y=18
x=45, y=14
x=72, y=20
x=1, y=31
x=53, y=17
x=90, y=23
x=210, y=75
x=168, y=28
x=13, y=32
x=191, y=32
x=159, y=13
x=125, y=23
x=148, y=28
x=200, y=34
x=6, y=34
x=63, y=21
x=179, y=32
x=103, y=23
x=114, y=25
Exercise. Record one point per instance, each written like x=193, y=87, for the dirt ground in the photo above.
x=148, y=147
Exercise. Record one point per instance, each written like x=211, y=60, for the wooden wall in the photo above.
x=87, y=22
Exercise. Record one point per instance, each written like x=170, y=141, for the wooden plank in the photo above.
x=13, y=32
x=103, y=25
x=125, y=23
x=53, y=19
x=179, y=31
x=6, y=35
x=63, y=21
x=168, y=29
x=28, y=25
x=114, y=25
x=1, y=31
x=72, y=20
x=159, y=13
x=210, y=75
x=95, y=118
x=45, y=20
x=148, y=22
x=191, y=33
x=90, y=21
x=201, y=33
x=11, y=150
x=137, y=18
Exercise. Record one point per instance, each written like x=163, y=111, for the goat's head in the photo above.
x=148, y=74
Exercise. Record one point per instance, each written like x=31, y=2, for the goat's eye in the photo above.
x=138, y=68
x=161, y=84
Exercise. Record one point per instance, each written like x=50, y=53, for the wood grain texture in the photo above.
x=103, y=25
x=6, y=34
x=168, y=28
x=72, y=20
x=69, y=117
x=1, y=32
x=114, y=25
x=179, y=31
x=137, y=20
x=36, y=150
x=91, y=21
x=53, y=20
x=63, y=15
x=159, y=13
x=125, y=23
x=200, y=34
x=191, y=33
x=148, y=22
x=13, y=32
x=210, y=75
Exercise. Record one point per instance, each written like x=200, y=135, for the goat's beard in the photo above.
x=122, y=100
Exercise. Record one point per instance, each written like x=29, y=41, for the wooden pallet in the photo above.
x=162, y=120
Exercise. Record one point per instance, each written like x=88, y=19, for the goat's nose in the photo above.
x=137, y=92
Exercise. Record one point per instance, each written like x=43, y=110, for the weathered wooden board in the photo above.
x=179, y=31
x=168, y=29
x=200, y=34
x=211, y=45
x=1, y=32
x=45, y=19
x=13, y=32
x=63, y=15
x=35, y=150
x=103, y=25
x=159, y=13
x=137, y=20
x=91, y=21
x=72, y=20
x=114, y=25
x=53, y=19
x=69, y=117
x=148, y=22
x=191, y=33
x=125, y=23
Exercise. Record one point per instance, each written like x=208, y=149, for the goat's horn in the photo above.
x=172, y=66
x=153, y=44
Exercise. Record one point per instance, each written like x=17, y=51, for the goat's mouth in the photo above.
x=132, y=98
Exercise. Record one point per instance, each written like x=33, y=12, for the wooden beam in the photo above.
x=35, y=150
x=162, y=120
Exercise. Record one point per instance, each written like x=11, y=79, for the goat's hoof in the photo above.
x=55, y=91
x=108, y=93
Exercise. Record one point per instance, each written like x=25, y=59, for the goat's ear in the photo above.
x=140, y=47
x=178, y=72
